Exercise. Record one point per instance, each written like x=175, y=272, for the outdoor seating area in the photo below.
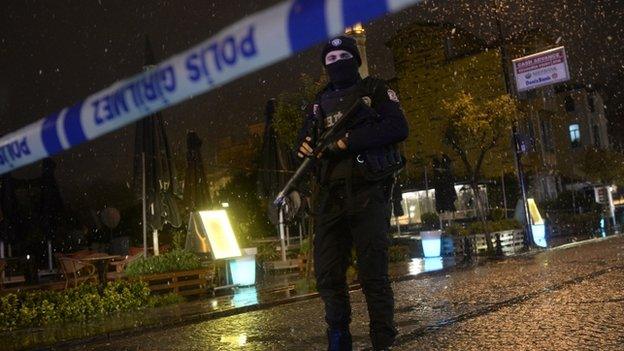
x=70, y=270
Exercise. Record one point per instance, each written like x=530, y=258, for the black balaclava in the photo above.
x=343, y=73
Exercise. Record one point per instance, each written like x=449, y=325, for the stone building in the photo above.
x=434, y=62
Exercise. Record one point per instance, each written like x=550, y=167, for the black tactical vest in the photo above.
x=369, y=165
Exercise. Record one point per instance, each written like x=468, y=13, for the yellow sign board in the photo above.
x=536, y=217
x=211, y=231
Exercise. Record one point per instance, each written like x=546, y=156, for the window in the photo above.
x=575, y=135
x=569, y=103
x=591, y=103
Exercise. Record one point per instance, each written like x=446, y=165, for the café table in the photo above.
x=101, y=264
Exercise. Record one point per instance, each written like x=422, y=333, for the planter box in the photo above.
x=512, y=241
x=185, y=283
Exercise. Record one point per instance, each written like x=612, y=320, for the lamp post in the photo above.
x=359, y=34
x=518, y=149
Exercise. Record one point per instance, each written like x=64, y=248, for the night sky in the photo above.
x=54, y=53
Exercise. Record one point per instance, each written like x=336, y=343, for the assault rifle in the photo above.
x=322, y=145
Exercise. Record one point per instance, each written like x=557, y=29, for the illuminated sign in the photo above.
x=211, y=231
x=541, y=69
x=536, y=217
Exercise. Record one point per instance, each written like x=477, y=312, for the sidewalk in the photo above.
x=278, y=290
x=245, y=300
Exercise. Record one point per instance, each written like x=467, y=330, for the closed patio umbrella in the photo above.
x=155, y=176
x=9, y=215
x=51, y=206
x=274, y=172
x=196, y=192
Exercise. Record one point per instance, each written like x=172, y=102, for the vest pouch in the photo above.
x=378, y=164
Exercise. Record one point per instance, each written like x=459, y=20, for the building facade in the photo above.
x=435, y=62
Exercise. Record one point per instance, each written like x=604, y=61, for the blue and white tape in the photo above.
x=246, y=46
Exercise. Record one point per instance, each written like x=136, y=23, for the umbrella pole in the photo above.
x=144, y=204
x=281, y=232
x=1, y=256
x=155, y=239
x=50, y=255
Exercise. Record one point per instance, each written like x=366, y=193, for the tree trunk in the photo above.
x=482, y=216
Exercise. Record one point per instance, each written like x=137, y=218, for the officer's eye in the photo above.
x=330, y=58
x=345, y=55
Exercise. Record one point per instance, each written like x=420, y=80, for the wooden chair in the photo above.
x=76, y=271
x=120, y=266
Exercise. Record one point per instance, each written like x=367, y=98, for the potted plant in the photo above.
x=430, y=235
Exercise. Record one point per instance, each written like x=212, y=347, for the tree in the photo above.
x=473, y=130
x=603, y=166
x=291, y=107
x=246, y=210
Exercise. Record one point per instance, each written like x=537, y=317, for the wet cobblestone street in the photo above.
x=565, y=299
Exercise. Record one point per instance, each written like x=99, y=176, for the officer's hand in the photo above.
x=342, y=144
x=305, y=149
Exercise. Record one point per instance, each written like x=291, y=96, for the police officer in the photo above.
x=355, y=180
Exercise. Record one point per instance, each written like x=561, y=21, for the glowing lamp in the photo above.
x=243, y=269
x=211, y=231
x=431, y=242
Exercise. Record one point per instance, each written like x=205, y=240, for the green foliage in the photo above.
x=578, y=223
x=246, y=211
x=398, y=253
x=498, y=214
x=178, y=239
x=290, y=109
x=39, y=308
x=267, y=252
x=304, y=285
x=572, y=201
x=604, y=166
x=430, y=221
x=493, y=226
x=176, y=260
x=456, y=230
x=305, y=247
x=165, y=300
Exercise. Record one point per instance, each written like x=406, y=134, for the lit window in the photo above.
x=575, y=135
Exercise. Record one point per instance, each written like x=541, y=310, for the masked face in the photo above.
x=337, y=55
x=342, y=68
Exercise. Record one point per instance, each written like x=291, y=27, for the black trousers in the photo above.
x=358, y=218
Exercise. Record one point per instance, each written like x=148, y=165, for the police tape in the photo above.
x=248, y=45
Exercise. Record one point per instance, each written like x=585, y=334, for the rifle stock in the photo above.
x=322, y=144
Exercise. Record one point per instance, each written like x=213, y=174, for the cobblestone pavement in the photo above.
x=565, y=299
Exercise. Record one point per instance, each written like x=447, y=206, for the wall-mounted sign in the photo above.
x=541, y=69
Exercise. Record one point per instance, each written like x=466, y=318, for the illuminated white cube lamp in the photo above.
x=211, y=232
x=243, y=268
x=431, y=242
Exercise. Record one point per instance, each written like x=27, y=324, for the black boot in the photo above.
x=339, y=340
